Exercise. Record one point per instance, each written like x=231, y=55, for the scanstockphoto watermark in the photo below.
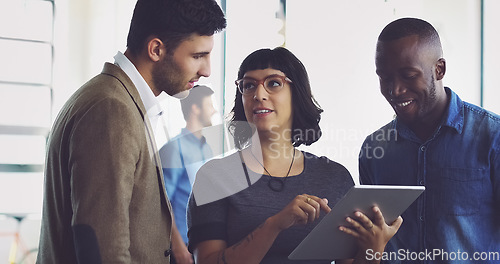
x=432, y=255
x=334, y=134
x=375, y=149
x=341, y=142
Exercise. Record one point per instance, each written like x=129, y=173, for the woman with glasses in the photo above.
x=258, y=204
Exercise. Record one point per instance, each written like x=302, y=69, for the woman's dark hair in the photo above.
x=173, y=21
x=307, y=112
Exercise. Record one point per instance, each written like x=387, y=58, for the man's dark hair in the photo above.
x=173, y=21
x=404, y=27
x=195, y=97
x=306, y=111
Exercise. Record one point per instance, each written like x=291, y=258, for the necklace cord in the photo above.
x=245, y=169
x=281, y=182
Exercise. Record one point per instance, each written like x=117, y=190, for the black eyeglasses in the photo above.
x=272, y=83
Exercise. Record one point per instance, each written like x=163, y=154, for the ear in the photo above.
x=440, y=69
x=195, y=110
x=155, y=49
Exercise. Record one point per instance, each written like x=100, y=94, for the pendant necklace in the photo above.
x=276, y=183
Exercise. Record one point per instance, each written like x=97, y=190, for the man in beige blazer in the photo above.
x=104, y=198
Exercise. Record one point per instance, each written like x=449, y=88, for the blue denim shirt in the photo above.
x=459, y=212
x=181, y=158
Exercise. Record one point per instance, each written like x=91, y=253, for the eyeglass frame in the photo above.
x=284, y=79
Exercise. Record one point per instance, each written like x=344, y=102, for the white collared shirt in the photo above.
x=154, y=111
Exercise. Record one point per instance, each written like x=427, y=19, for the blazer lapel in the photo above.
x=115, y=71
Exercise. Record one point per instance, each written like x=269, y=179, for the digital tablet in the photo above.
x=327, y=242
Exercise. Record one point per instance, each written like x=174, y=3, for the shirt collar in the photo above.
x=454, y=117
x=148, y=98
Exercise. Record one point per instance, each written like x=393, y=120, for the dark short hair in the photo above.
x=195, y=97
x=307, y=112
x=173, y=21
x=407, y=26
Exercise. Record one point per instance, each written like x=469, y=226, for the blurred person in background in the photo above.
x=181, y=158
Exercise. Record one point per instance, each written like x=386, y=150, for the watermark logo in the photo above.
x=431, y=255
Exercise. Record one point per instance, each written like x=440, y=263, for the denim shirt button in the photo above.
x=421, y=182
x=422, y=148
x=421, y=218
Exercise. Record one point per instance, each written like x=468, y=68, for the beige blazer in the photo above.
x=104, y=198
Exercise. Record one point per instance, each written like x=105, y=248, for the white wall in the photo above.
x=87, y=34
x=491, y=92
x=251, y=25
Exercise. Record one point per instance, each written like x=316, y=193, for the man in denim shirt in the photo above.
x=437, y=140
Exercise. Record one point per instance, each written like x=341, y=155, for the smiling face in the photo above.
x=410, y=73
x=178, y=71
x=268, y=112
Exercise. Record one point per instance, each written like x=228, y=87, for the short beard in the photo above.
x=164, y=74
x=432, y=95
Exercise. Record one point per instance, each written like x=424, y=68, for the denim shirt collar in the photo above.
x=453, y=118
x=455, y=114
